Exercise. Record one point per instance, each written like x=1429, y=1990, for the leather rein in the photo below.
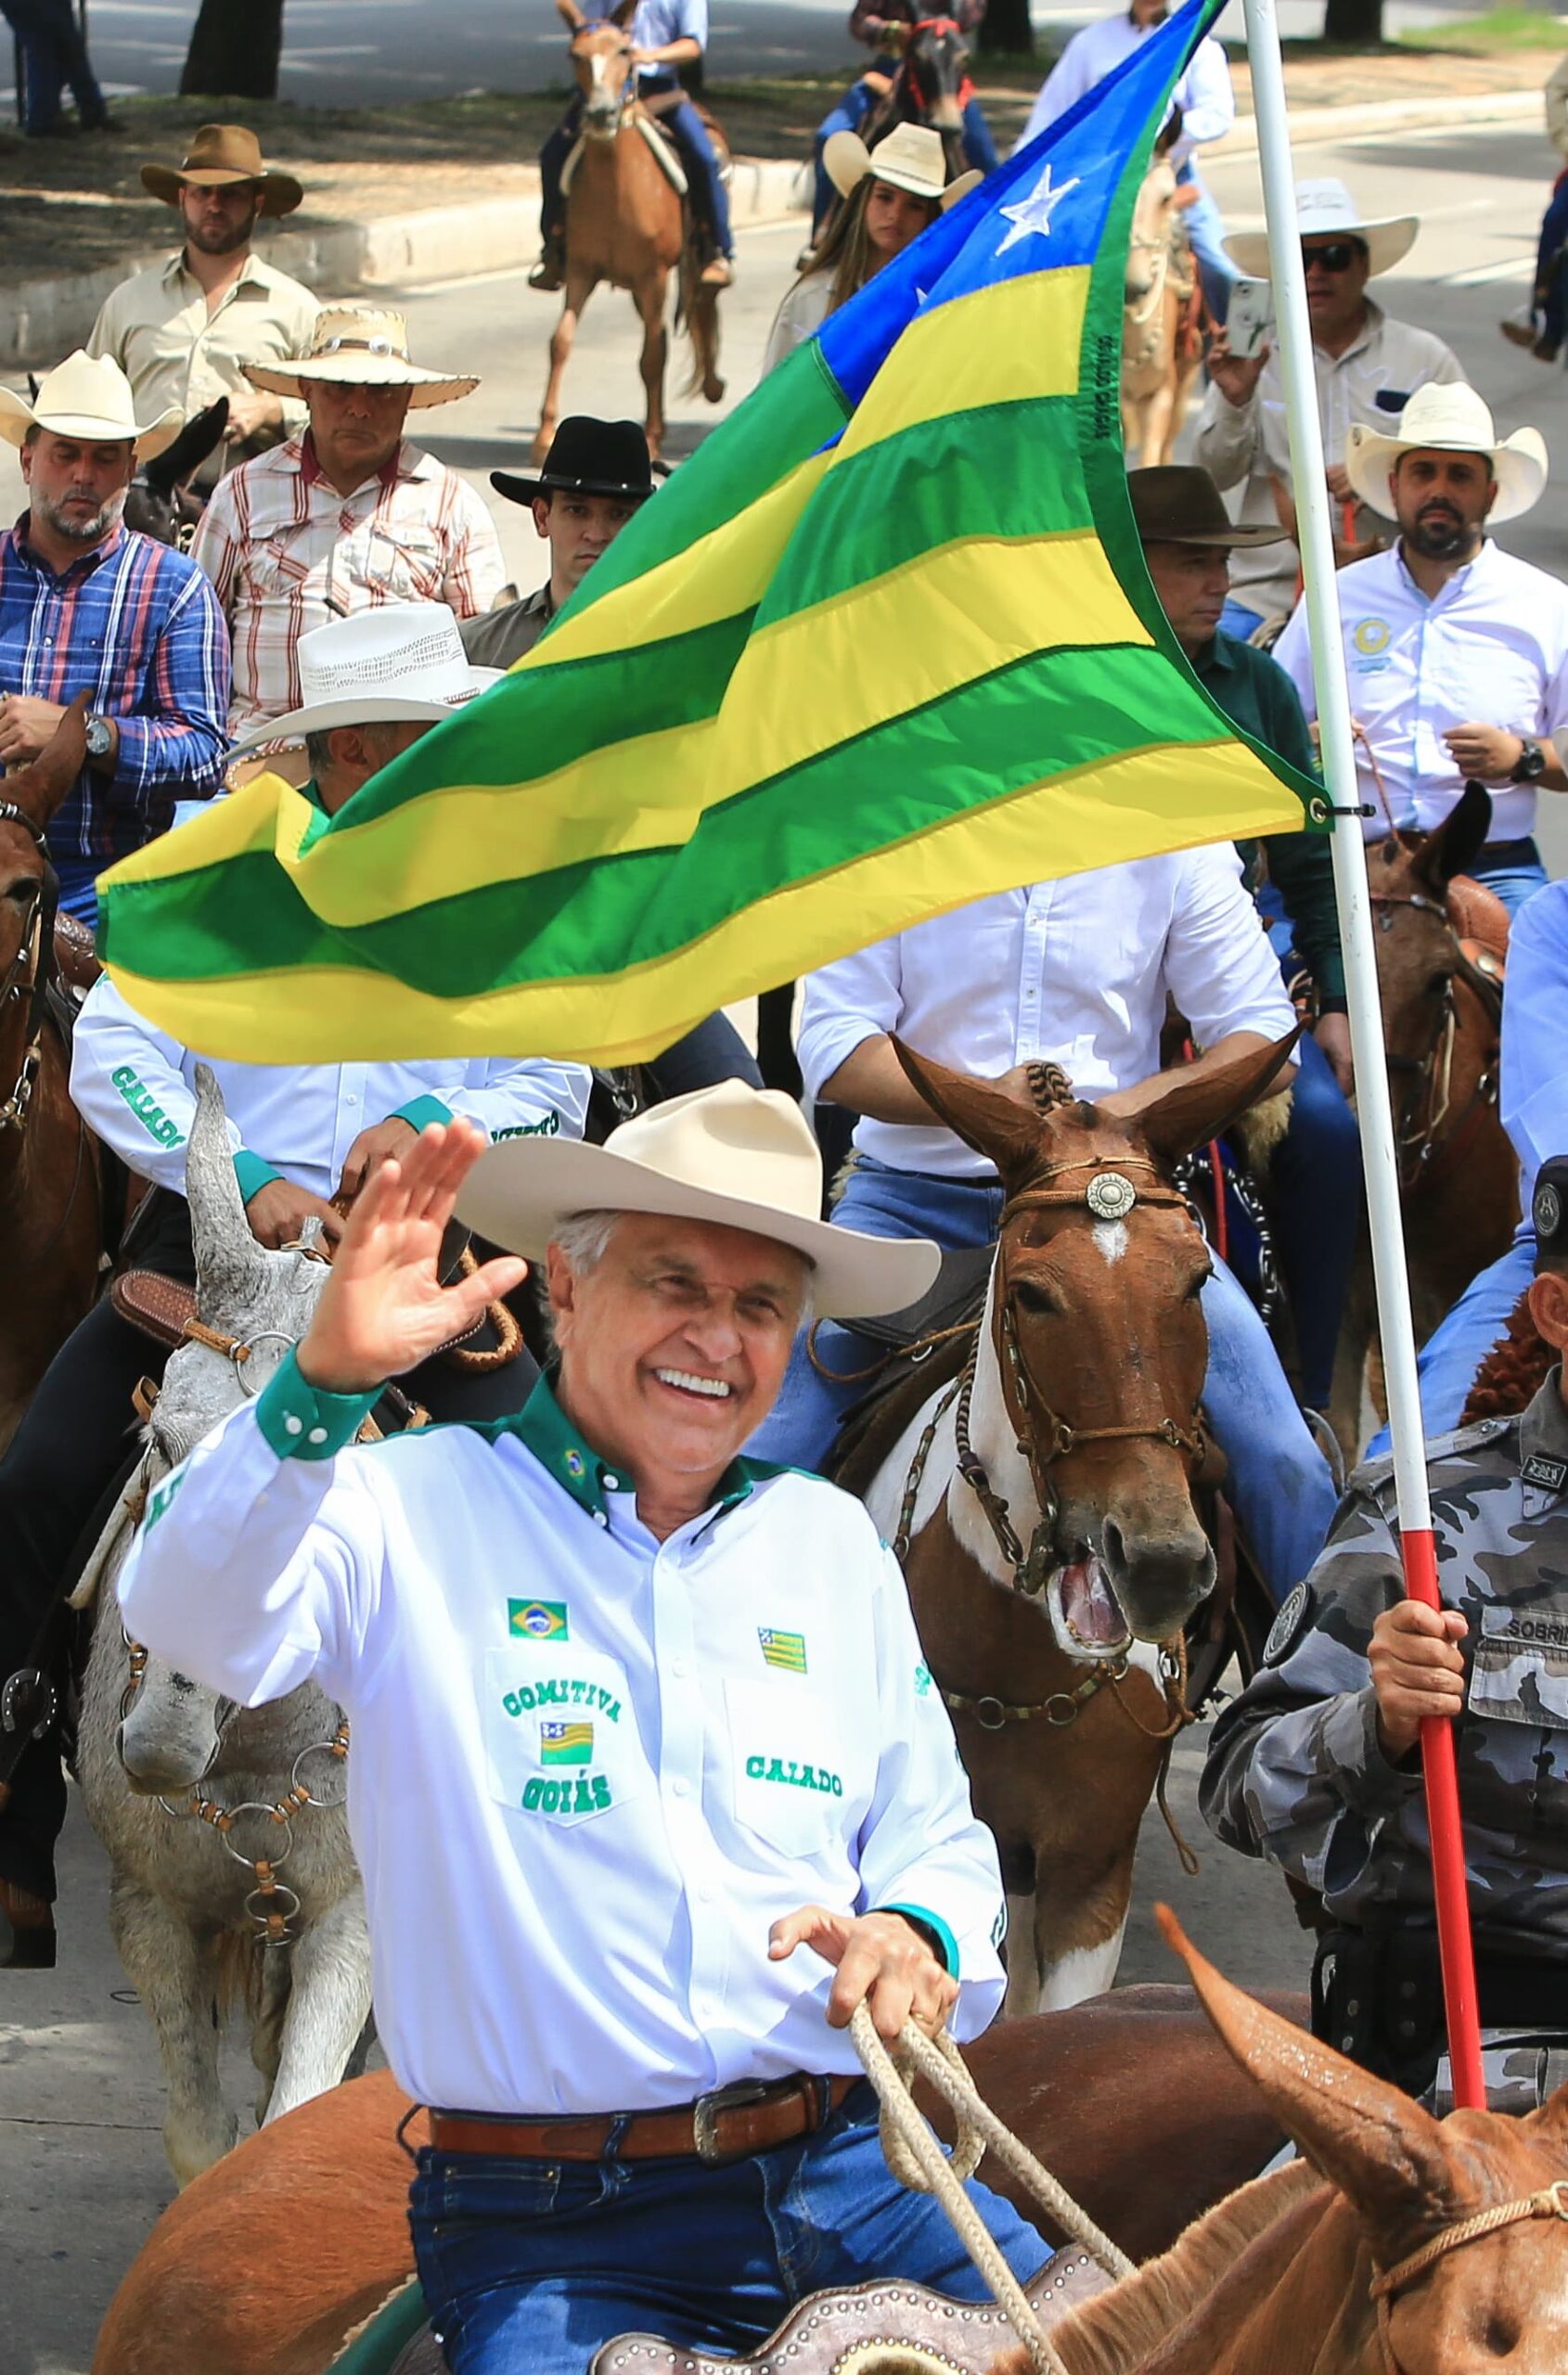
x=27, y=976
x=1436, y=1132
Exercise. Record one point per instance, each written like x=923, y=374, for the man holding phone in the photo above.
x=1367, y=364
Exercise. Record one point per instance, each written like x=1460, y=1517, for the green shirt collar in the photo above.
x=543, y=1426
x=1217, y=657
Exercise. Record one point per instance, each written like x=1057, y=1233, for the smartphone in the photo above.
x=1249, y=318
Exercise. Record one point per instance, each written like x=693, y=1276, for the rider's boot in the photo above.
x=550, y=273
x=717, y=273
x=27, y=1929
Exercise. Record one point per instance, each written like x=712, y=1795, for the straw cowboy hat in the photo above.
x=399, y=662
x=91, y=400
x=739, y=1157
x=1325, y=210
x=1178, y=504
x=360, y=346
x=1450, y=420
x=911, y=158
x=222, y=153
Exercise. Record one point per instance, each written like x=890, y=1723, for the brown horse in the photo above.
x=49, y=1186
x=1162, y=343
x=1043, y=1504
x=1106, y=2095
x=626, y=224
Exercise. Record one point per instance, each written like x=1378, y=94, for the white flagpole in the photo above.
x=1314, y=535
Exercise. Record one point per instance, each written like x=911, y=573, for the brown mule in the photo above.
x=627, y=224
x=51, y=1226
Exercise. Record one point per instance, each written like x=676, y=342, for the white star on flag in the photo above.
x=1034, y=214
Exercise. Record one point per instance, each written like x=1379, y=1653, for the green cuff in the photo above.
x=252, y=1173
x=420, y=1111
x=942, y=1937
x=301, y=1421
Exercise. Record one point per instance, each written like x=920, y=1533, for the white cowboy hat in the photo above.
x=1325, y=210
x=911, y=158
x=361, y=346
x=1454, y=420
x=91, y=400
x=400, y=662
x=739, y=1157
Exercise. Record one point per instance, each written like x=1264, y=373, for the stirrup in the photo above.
x=550, y=273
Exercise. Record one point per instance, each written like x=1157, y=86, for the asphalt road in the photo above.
x=82, y=2171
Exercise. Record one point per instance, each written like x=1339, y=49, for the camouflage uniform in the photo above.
x=1295, y=1772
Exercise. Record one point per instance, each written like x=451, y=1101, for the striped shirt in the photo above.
x=287, y=552
x=134, y=625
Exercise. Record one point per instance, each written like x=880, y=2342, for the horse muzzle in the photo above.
x=1157, y=1579
x=602, y=122
x=169, y=1741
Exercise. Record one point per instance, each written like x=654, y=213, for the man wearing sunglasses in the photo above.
x=1367, y=364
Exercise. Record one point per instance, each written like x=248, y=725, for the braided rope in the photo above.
x=1551, y=2202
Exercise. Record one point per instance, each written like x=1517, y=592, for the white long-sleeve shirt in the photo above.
x=589, y=1769
x=1073, y=972
x=1205, y=94
x=1534, y=1069
x=136, y=1087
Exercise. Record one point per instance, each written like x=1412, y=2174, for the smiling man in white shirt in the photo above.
x=1457, y=652
x=646, y=1788
x=1075, y=973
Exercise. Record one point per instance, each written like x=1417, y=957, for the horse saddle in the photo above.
x=76, y=958
x=921, y=1348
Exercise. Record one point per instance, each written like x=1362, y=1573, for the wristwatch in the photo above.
x=1530, y=764
x=100, y=738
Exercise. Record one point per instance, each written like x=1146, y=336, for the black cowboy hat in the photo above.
x=587, y=457
x=1180, y=505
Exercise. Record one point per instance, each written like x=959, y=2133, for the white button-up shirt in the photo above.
x=1245, y=445
x=1204, y=95
x=1493, y=647
x=136, y=1087
x=589, y=1768
x=1535, y=1071
x=1073, y=973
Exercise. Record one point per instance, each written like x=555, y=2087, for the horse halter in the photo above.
x=1431, y=1074
x=1549, y=2202
x=28, y=973
x=628, y=98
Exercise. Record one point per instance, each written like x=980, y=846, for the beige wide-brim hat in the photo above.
x=92, y=400
x=361, y=346
x=399, y=664
x=1451, y=419
x=739, y=1157
x=911, y=158
x=219, y=154
x=1325, y=210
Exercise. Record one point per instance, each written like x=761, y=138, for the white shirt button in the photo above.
x=683, y=1786
x=316, y=1435
x=351, y=1100
x=680, y=1668
x=292, y=1426
x=602, y=1517
x=613, y=1484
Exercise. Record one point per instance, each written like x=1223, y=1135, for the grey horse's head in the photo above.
x=171, y=1735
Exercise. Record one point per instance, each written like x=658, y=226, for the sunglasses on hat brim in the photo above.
x=1333, y=255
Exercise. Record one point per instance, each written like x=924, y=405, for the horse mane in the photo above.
x=1513, y=1371
x=1117, y=2330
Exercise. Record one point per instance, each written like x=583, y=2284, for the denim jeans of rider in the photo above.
x=529, y=2267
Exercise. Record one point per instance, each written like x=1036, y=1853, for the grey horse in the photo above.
x=161, y=1757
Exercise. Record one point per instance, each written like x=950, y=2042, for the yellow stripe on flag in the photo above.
x=1016, y=339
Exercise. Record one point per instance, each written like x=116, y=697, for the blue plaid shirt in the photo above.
x=137, y=626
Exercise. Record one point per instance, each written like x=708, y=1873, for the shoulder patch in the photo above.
x=1551, y=1473
x=1291, y=1621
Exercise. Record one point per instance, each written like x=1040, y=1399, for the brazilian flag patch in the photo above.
x=786, y=1651
x=566, y=1743
x=538, y=1620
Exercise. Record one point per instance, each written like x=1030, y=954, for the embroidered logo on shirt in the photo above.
x=1370, y=635
x=1552, y=1473
x=159, y=1501
x=566, y=1743
x=153, y=1119
x=922, y=1681
x=541, y=1619
x=785, y=1651
x=794, y=1777
x=548, y=1128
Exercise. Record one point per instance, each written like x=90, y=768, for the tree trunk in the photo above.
x=1005, y=30
x=1354, y=22
x=234, y=50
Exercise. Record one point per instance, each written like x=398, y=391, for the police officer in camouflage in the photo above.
x=1316, y=1766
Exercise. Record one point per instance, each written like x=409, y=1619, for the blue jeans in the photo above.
x=1280, y=1480
x=1205, y=232
x=1454, y=1352
x=54, y=55
x=1316, y=1174
x=709, y=197
x=1513, y=869
x=529, y=2267
x=1551, y=296
x=709, y=1052
x=980, y=149
x=1236, y=619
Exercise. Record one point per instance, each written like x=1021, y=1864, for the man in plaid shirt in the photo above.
x=346, y=514
x=87, y=605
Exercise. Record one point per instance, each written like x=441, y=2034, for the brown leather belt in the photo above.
x=721, y=2126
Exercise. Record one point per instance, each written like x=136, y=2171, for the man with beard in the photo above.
x=1457, y=653
x=184, y=330
x=87, y=605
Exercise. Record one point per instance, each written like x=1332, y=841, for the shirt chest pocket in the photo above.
x=560, y=1739
x=405, y=564
x=1520, y=1674
x=790, y=1777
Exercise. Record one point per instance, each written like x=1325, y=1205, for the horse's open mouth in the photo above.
x=1084, y=1610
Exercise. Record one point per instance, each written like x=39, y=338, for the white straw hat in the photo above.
x=1325, y=210
x=1453, y=419
x=361, y=346
x=400, y=662
x=911, y=158
x=739, y=1157
x=92, y=400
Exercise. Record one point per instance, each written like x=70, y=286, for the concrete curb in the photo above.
x=1311, y=126
x=41, y=320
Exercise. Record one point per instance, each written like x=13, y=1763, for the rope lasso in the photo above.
x=917, y=2160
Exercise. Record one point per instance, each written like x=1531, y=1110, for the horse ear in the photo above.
x=1198, y=1108
x=227, y=1256
x=190, y=449
x=623, y=13
x=1385, y=2154
x=1453, y=847
x=39, y=788
x=993, y=1124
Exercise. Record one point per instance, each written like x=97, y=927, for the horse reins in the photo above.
x=1549, y=2202
x=28, y=974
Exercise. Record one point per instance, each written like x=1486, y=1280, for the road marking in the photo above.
x=1480, y=275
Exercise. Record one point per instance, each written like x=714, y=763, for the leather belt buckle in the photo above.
x=709, y=2109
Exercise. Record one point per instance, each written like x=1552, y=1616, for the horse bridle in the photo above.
x=1430, y=1074
x=1549, y=2201
x=629, y=88
x=28, y=973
